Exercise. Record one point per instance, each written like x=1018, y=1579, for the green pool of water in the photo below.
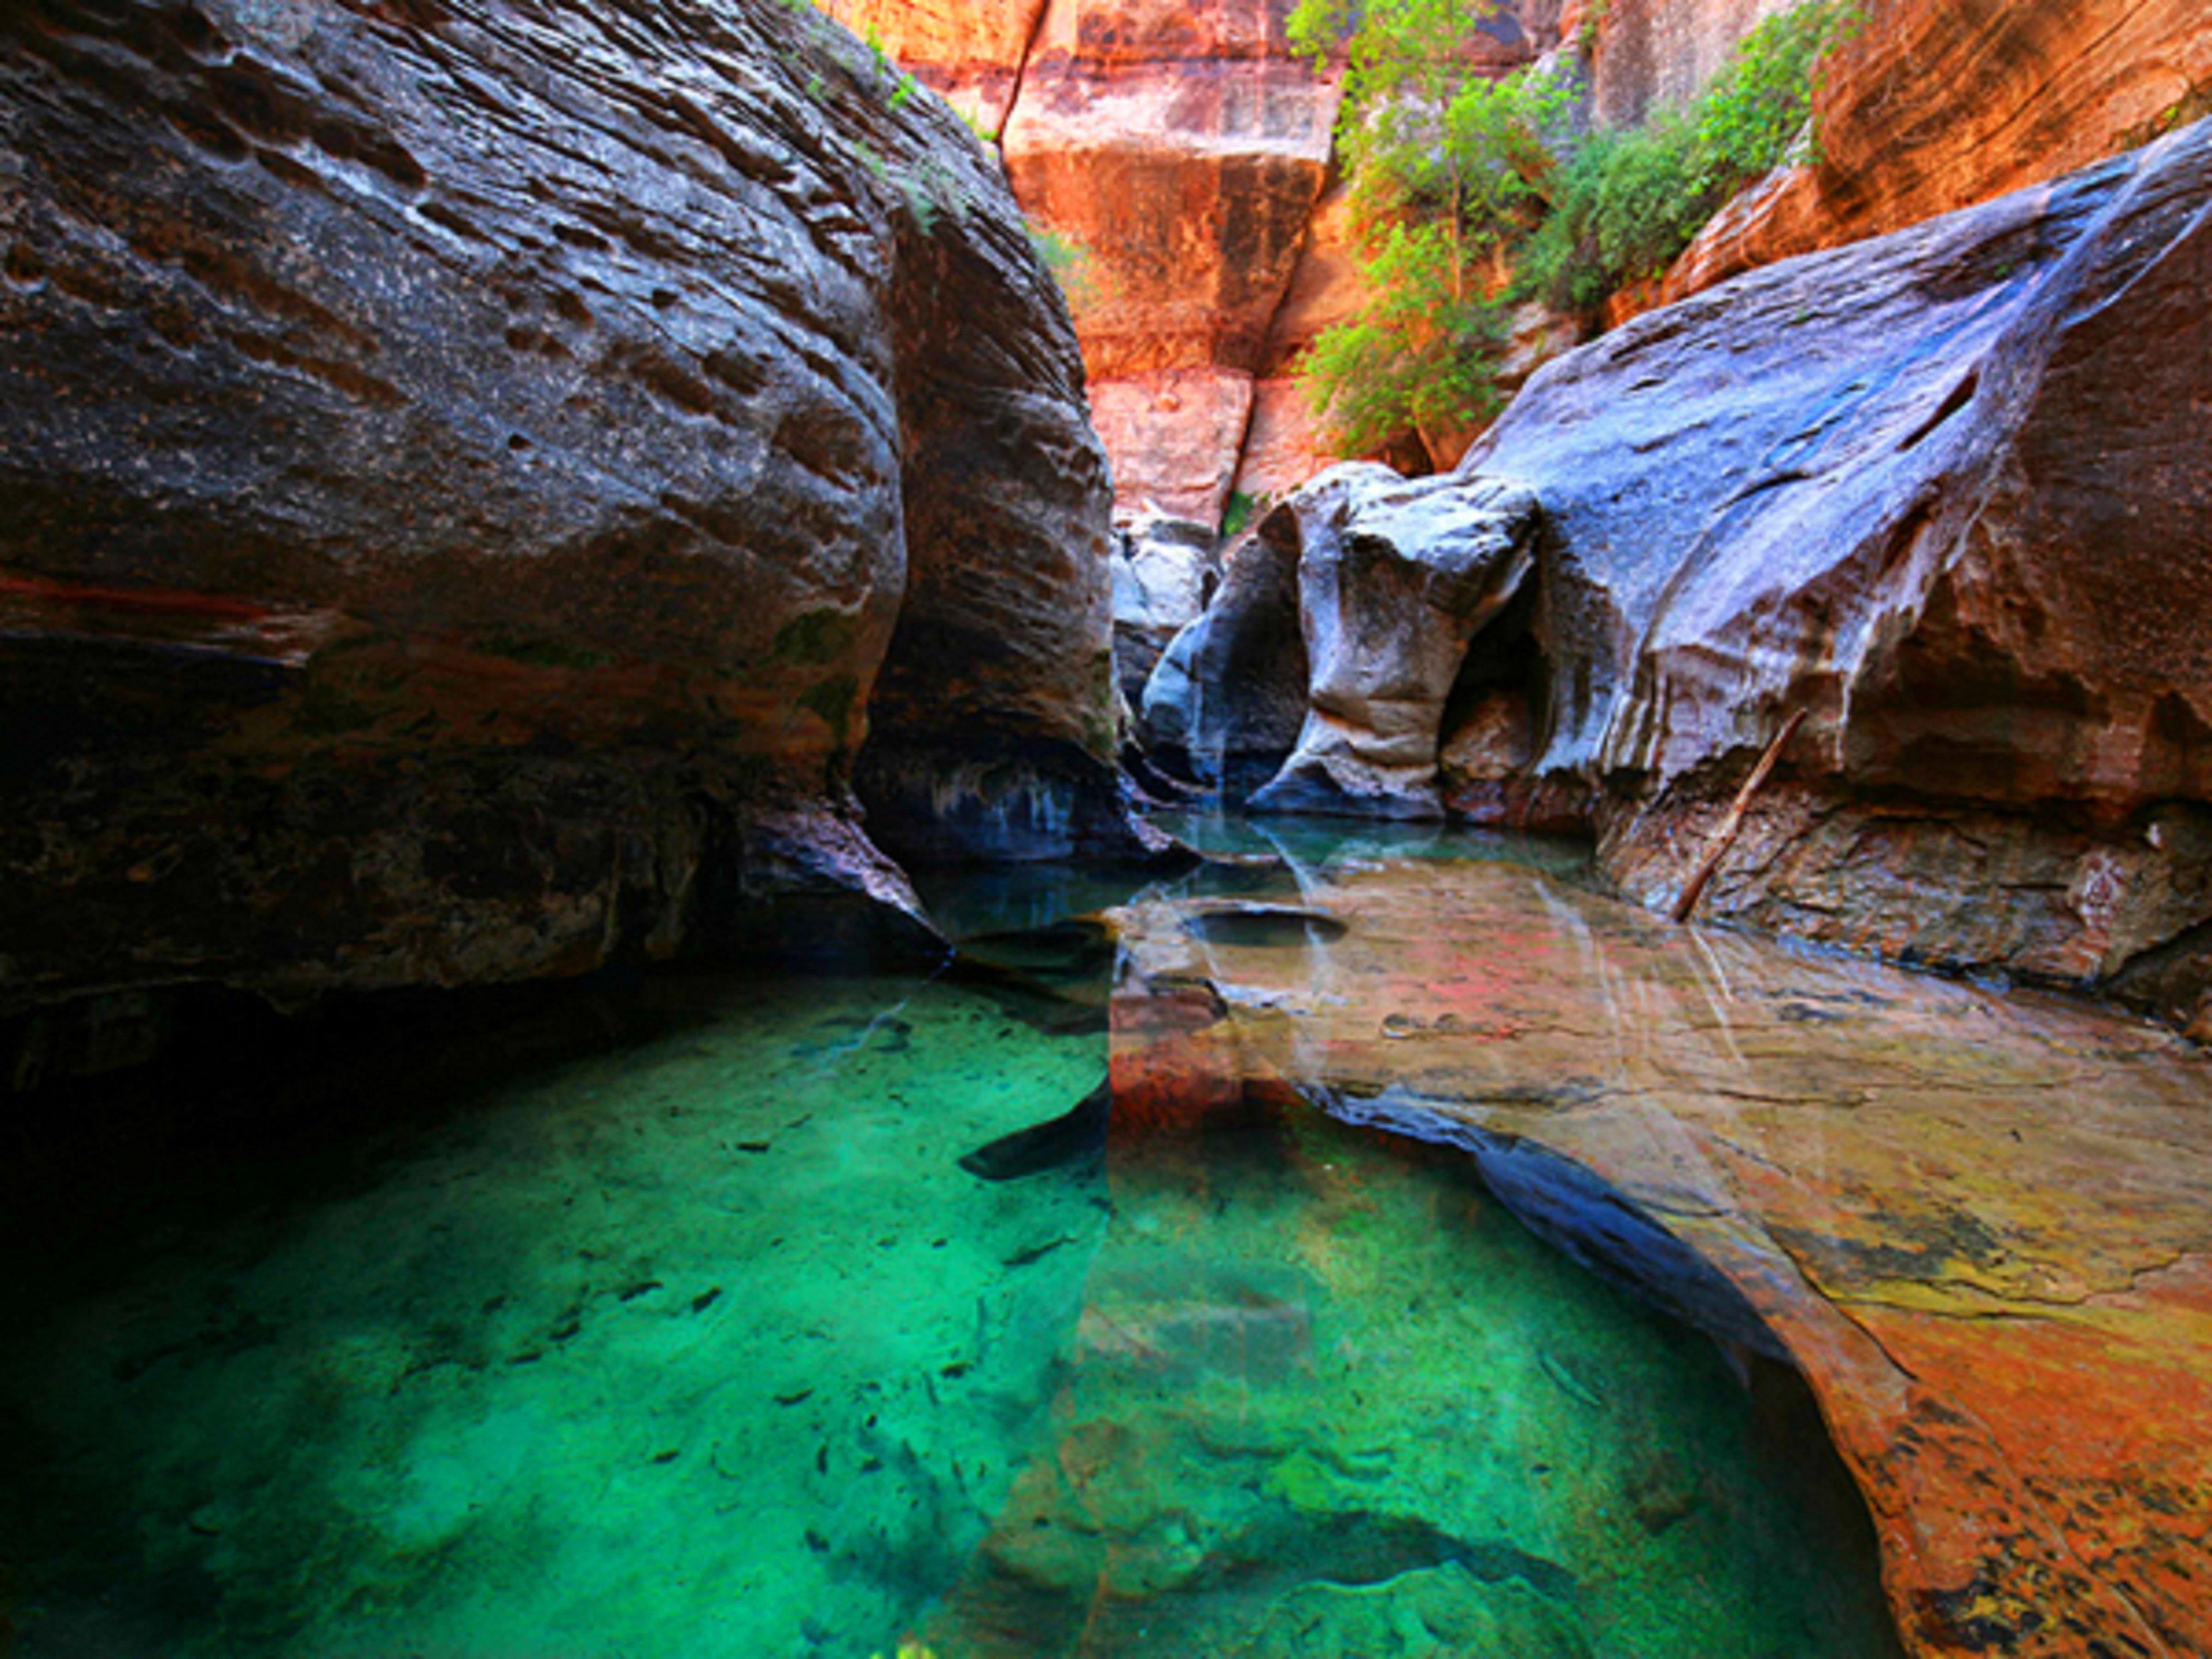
x=707, y=1346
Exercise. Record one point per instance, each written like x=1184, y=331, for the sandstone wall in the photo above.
x=1185, y=154
x=1938, y=103
x=1650, y=52
x=474, y=474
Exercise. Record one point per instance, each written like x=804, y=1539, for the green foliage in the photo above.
x=1241, y=512
x=1070, y=263
x=1447, y=171
x=1420, y=354
x=1457, y=179
x=903, y=85
x=1627, y=204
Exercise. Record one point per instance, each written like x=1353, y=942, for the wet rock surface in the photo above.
x=1227, y=699
x=473, y=476
x=1977, y=1224
x=1165, y=571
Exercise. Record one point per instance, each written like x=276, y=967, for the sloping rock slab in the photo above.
x=1980, y=1225
x=1948, y=494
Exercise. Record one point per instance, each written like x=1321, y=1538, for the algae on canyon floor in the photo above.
x=708, y=1345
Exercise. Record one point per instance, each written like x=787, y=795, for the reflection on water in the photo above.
x=1982, y=1222
x=713, y=1345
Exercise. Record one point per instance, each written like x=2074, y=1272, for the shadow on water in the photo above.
x=724, y=1314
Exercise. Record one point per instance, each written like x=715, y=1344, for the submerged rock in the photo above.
x=1076, y=1137
x=476, y=479
x=1981, y=1226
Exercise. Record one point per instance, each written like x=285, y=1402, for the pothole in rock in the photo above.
x=1266, y=927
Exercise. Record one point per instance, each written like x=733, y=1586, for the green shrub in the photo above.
x=1627, y=204
x=1242, y=511
x=1446, y=171
x=1454, y=178
x=1070, y=263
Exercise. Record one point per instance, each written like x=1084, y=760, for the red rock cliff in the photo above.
x=1185, y=153
x=1936, y=104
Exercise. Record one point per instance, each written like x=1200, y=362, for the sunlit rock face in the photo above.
x=1181, y=153
x=1944, y=492
x=971, y=52
x=1932, y=106
x=1184, y=149
x=474, y=474
x=1980, y=1223
x=1648, y=53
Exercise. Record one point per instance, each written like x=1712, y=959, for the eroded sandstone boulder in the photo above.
x=1395, y=579
x=1226, y=702
x=1946, y=495
x=1946, y=492
x=474, y=475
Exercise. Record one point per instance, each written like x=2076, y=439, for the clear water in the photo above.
x=707, y=1344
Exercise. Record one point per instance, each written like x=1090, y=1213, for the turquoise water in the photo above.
x=707, y=1344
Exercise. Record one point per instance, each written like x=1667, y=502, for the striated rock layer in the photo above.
x=1946, y=495
x=1981, y=1226
x=476, y=477
x=1933, y=105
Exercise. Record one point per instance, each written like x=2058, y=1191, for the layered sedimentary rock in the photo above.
x=971, y=52
x=1394, y=581
x=1180, y=155
x=1182, y=150
x=1930, y=105
x=1980, y=1224
x=1944, y=494
x=473, y=476
x=1645, y=54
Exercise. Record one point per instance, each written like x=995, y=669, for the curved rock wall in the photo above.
x=471, y=473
